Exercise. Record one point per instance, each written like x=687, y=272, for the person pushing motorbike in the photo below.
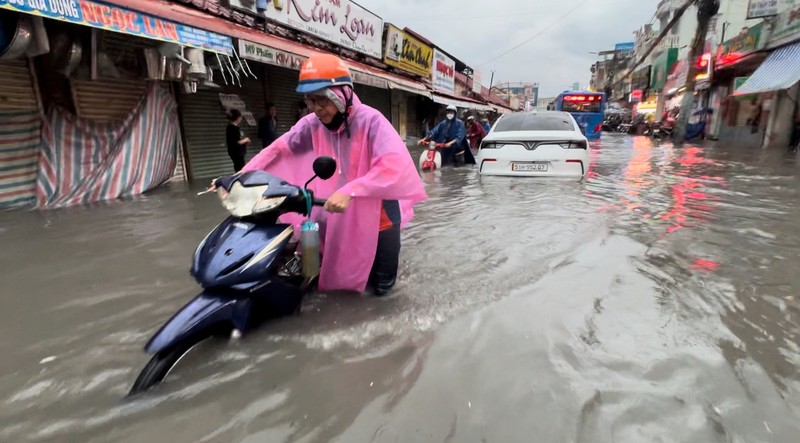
x=373, y=191
x=451, y=131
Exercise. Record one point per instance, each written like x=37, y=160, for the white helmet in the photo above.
x=452, y=108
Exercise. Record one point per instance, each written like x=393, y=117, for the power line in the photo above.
x=547, y=28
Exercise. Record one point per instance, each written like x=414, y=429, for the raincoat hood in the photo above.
x=374, y=164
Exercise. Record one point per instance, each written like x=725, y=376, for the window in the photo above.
x=578, y=106
x=535, y=122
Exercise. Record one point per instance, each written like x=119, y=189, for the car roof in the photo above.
x=522, y=117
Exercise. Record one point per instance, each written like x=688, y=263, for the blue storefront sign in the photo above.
x=116, y=19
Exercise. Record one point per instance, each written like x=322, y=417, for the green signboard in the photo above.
x=661, y=68
x=745, y=43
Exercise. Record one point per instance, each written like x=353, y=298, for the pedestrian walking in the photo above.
x=268, y=125
x=235, y=140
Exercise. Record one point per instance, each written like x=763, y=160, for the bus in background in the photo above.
x=587, y=108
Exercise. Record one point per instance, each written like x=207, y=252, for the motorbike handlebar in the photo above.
x=319, y=202
x=435, y=145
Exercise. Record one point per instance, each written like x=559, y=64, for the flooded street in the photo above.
x=657, y=301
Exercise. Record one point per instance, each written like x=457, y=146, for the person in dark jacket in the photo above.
x=450, y=131
x=268, y=126
x=235, y=140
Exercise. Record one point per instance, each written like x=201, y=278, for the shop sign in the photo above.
x=736, y=48
x=761, y=8
x=786, y=28
x=407, y=53
x=369, y=79
x=444, y=72
x=341, y=22
x=476, y=82
x=116, y=19
x=636, y=96
x=661, y=68
x=270, y=56
x=621, y=50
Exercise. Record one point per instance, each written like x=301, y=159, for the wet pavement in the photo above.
x=657, y=301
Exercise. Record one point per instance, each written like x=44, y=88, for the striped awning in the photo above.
x=781, y=70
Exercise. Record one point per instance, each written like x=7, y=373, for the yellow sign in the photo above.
x=407, y=53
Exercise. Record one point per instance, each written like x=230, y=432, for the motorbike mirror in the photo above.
x=324, y=167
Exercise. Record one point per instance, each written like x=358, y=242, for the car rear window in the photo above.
x=535, y=122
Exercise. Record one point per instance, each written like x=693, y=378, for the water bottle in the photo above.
x=309, y=244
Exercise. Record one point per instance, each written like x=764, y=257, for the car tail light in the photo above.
x=598, y=129
x=578, y=145
x=489, y=145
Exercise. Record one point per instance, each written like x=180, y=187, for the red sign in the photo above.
x=583, y=98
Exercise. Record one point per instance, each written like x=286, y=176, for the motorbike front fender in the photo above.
x=206, y=311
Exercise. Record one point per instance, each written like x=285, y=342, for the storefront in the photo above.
x=409, y=54
x=19, y=138
x=204, y=116
x=777, y=77
x=662, y=67
x=739, y=120
x=112, y=124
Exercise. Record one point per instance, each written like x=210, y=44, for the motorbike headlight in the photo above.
x=267, y=204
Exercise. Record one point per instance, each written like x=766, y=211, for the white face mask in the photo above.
x=451, y=116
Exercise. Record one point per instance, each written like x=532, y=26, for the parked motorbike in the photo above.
x=247, y=266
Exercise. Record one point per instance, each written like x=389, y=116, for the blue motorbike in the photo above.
x=247, y=266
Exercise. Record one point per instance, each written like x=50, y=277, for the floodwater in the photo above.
x=657, y=301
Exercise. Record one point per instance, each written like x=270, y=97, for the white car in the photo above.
x=534, y=144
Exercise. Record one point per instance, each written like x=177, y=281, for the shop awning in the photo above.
x=460, y=103
x=182, y=14
x=781, y=70
x=502, y=110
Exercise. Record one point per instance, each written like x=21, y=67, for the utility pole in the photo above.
x=676, y=16
x=706, y=9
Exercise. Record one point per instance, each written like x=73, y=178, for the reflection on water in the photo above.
x=654, y=301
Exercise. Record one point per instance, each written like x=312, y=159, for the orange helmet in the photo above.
x=323, y=71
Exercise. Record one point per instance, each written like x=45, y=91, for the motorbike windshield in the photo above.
x=253, y=193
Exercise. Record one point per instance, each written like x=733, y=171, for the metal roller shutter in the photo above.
x=281, y=84
x=107, y=100
x=20, y=134
x=377, y=98
x=204, y=123
x=17, y=90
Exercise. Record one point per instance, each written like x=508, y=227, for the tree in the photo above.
x=706, y=9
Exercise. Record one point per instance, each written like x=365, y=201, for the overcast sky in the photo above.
x=476, y=31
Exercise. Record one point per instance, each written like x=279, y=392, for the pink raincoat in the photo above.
x=373, y=165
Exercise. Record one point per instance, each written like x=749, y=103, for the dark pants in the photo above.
x=238, y=159
x=387, y=259
x=448, y=155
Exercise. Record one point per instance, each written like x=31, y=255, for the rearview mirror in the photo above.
x=324, y=167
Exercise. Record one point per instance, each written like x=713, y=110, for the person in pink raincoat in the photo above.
x=372, y=193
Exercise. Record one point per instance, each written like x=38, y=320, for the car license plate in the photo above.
x=530, y=167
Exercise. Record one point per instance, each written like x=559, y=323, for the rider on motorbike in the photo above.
x=373, y=191
x=450, y=131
